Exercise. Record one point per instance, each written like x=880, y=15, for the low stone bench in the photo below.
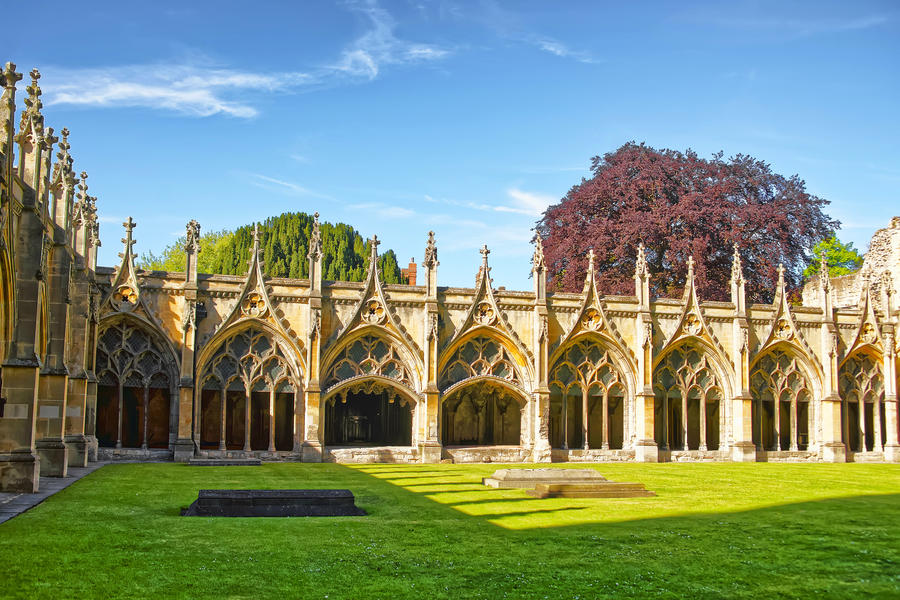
x=274, y=503
x=529, y=478
x=224, y=462
x=608, y=489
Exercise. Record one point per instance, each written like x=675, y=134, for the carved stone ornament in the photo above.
x=783, y=330
x=592, y=319
x=484, y=314
x=867, y=334
x=125, y=298
x=315, y=323
x=254, y=305
x=692, y=324
x=648, y=334
x=545, y=327
x=433, y=326
x=189, y=318
x=373, y=312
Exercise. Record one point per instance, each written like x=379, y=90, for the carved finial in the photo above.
x=824, y=276
x=640, y=263
x=192, y=237
x=10, y=77
x=690, y=271
x=33, y=106
x=431, y=260
x=129, y=226
x=537, y=260
x=315, y=240
x=737, y=274
x=373, y=245
x=484, y=253
x=591, y=260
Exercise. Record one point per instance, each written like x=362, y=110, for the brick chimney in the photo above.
x=410, y=272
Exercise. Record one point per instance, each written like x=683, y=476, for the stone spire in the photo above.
x=430, y=264
x=315, y=241
x=191, y=250
x=824, y=278
x=737, y=272
x=8, y=109
x=484, y=271
x=640, y=263
x=32, y=114
x=642, y=278
x=431, y=256
x=537, y=259
x=64, y=181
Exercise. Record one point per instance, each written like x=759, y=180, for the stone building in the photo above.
x=118, y=362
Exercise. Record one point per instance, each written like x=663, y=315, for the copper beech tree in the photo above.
x=679, y=205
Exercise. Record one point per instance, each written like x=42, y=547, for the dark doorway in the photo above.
x=368, y=419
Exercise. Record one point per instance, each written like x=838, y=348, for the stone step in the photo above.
x=224, y=462
x=528, y=478
x=608, y=489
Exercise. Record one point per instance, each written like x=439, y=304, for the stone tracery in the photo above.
x=863, y=420
x=781, y=402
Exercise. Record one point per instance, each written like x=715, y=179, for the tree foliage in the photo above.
x=842, y=259
x=680, y=205
x=285, y=243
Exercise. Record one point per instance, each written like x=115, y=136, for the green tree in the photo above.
x=842, y=259
x=285, y=244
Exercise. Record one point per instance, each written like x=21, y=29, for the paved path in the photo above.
x=13, y=504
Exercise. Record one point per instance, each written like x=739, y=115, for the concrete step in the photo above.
x=596, y=490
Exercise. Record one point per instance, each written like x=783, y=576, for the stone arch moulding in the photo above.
x=523, y=367
x=367, y=339
x=810, y=367
x=622, y=359
x=722, y=367
x=211, y=347
x=151, y=328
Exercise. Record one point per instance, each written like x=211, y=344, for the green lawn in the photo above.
x=433, y=531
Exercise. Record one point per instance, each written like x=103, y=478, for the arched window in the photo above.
x=249, y=392
x=135, y=381
x=369, y=412
x=862, y=404
x=587, y=399
x=688, y=398
x=781, y=400
x=480, y=356
x=369, y=355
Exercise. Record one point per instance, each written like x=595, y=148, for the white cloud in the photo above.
x=559, y=49
x=524, y=203
x=196, y=88
x=797, y=26
x=288, y=187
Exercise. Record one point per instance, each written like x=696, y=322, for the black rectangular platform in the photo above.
x=274, y=503
x=225, y=462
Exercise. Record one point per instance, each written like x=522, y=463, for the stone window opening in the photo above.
x=587, y=399
x=861, y=386
x=368, y=415
x=780, y=413
x=249, y=396
x=688, y=400
x=482, y=414
x=134, y=389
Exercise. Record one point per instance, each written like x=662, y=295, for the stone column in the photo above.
x=272, y=420
x=223, y=427
x=645, y=446
x=742, y=449
x=605, y=409
x=889, y=368
x=248, y=398
x=429, y=441
x=702, y=409
x=794, y=434
x=585, y=415
x=311, y=448
x=187, y=441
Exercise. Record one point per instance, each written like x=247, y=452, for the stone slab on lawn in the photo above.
x=274, y=503
x=529, y=478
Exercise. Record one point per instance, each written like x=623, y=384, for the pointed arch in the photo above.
x=249, y=383
x=784, y=383
x=7, y=299
x=484, y=411
x=691, y=382
x=484, y=351
x=861, y=388
x=137, y=371
x=591, y=383
x=372, y=350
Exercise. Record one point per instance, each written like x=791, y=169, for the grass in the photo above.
x=715, y=530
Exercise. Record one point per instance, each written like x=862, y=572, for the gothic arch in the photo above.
x=784, y=385
x=249, y=386
x=591, y=383
x=137, y=372
x=484, y=352
x=861, y=387
x=372, y=351
x=691, y=387
x=7, y=301
x=484, y=411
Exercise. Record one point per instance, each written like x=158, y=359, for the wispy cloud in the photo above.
x=796, y=26
x=559, y=49
x=200, y=89
x=521, y=202
x=286, y=187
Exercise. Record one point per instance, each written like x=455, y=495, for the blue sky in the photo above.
x=463, y=117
